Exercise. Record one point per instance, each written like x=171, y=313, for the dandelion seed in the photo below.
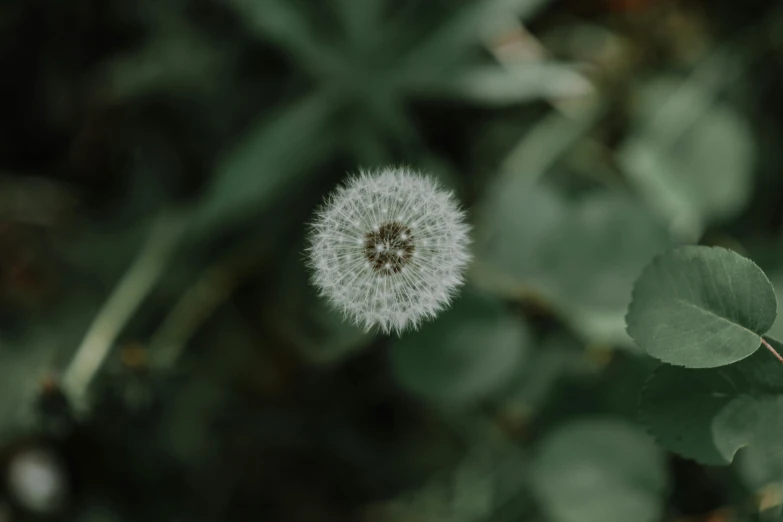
x=399, y=266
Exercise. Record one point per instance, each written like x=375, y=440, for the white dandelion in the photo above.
x=389, y=249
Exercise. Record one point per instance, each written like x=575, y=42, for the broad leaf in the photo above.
x=707, y=415
x=600, y=471
x=701, y=307
x=468, y=352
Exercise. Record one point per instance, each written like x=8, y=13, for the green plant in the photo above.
x=705, y=312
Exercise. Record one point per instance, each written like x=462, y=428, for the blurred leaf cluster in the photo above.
x=163, y=357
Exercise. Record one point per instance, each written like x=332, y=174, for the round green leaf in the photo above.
x=469, y=351
x=701, y=307
x=707, y=415
x=600, y=471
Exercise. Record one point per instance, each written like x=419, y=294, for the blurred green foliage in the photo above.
x=159, y=162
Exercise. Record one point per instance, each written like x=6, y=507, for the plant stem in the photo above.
x=118, y=309
x=771, y=349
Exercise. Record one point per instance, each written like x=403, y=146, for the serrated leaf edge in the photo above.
x=657, y=260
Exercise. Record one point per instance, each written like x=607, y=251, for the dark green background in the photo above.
x=159, y=162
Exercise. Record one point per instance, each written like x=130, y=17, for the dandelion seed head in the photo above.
x=389, y=249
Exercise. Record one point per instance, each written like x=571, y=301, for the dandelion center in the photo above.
x=389, y=247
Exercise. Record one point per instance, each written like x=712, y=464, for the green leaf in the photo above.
x=600, y=471
x=276, y=153
x=701, y=307
x=707, y=415
x=468, y=352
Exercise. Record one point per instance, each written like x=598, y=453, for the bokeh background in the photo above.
x=162, y=355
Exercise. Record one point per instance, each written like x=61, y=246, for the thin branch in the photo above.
x=771, y=349
x=119, y=308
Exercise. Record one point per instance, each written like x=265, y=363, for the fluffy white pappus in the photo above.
x=389, y=249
